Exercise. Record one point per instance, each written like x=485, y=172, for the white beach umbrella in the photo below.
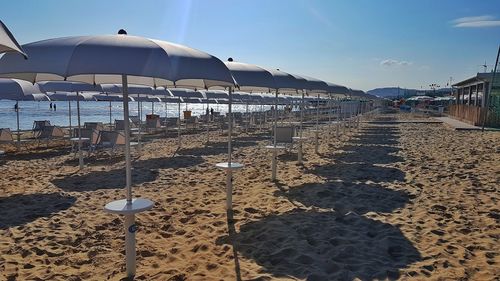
x=119, y=59
x=20, y=90
x=75, y=96
x=8, y=43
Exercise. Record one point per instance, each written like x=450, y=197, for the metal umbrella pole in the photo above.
x=229, y=166
x=275, y=151
x=299, y=153
x=80, y=154
x=208, y=123
x=316, y=133
x=179, y=122
x=69, y=115
x=129, y=206
x=110, y=118
x=18, y=130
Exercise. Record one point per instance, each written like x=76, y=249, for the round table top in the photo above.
x=275, y=147
x=226, y=165
x=123, y=208
x=79, y=139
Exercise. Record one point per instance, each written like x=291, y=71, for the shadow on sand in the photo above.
x=338, y=242
x=143, y=171
x=325, y=246
x=214, y=148
x=20, y=209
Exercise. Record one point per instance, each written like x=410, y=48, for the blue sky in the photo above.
x=359, y=43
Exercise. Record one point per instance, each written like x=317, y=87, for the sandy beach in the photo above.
x=407, y=201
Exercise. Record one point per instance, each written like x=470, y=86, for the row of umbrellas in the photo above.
x=124, y=60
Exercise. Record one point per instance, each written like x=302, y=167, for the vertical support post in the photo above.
x=69, y=113
x=179, y=122
x=229, y=176
x=208, y=124
x=80, y=155
x=316, y=133
x=299, y=152
x=18, y=130
x=110, y=120
x=275, y=153
x=130, y=254
x=126, y=121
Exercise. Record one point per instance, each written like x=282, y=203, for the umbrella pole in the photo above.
x=110, y=122
x=299, y=152
x=166, y=116
x=229, y=177
x=69, y=113
x=80, y=154
x=208, y=124
x=316, y=133
x=275, y=152
x=179, y=123
x=18, y=131
x=337, y=105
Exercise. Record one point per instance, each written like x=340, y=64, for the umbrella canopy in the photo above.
x=186, y=93
x=20, y=90
x=215, y=94
x=132, y=89
x=108, y=97
x=104, y=59
x=250, y=77
x=148, y=99
x=337, y=89
x=72, y=96
x=287, y=82
x=67, y=86
x=8, y=43
x=313, y=85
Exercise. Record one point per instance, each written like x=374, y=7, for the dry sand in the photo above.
x=393, y=201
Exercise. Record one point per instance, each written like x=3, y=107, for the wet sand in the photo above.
x=390, y=201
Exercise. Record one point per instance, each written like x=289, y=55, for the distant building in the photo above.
x=470, y=102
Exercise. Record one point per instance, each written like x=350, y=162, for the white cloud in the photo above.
x=476, y=22
x=392, y=62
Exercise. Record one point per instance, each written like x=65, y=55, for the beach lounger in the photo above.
x=191, y=122
x=49, y=133
x=94, y=125
x=111, y=140
x=284, y=136
x=87, y=133
x=38, y=127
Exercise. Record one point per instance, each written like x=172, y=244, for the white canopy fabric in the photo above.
x=286, y=82
x=250, y=77
x=72, y=96
x=186, y=93
x=104, y=59
x=148, y=99
x=66, y=86
x=215, y=94
x=313, y=85
x=20, y=90
x=132, y=89
x=108, y=97
x=337, y=89
x=8, y=43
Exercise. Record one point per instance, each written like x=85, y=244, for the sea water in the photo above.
x=97, y=111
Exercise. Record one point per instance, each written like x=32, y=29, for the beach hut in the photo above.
x=114, y=59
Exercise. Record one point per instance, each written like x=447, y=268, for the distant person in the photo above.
x=55, y=107
x=212, y=111
x=207, y=111
x=16, y=107
x=50, y=106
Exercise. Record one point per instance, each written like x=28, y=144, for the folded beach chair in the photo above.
x=111, y=140
x=91, y=134
x=191, y=122
x=49, y=133
x=119, y=125
x=284, y=136
x=38, y=127
x=134, y=121
x=6, y=137
x=94, y=125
